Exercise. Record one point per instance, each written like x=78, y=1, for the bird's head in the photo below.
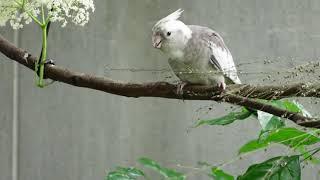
x=169, y=33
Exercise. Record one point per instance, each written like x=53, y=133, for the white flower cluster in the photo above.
x=19, y=12
x=9, y=12
x=76, y=10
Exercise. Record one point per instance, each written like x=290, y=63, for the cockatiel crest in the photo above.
x=197, y=54
x=171, y=17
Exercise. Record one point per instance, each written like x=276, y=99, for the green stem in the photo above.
x=311, y=155
x=40, y=64
x=315, y=151
x=42, y=14
x=34, y=18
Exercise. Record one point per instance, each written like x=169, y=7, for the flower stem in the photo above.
x=40, y=65
x=34, y=18
x=42, y=14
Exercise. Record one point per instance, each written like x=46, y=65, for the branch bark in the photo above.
x=235, y=94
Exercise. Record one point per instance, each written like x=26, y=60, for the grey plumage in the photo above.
x=206, y=60
x=197, y=55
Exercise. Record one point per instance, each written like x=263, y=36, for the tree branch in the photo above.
x=234, y=94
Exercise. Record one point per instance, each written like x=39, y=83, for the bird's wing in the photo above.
x=220, y=57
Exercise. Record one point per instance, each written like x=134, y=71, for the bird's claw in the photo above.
x=180, y=87
x=221, y=87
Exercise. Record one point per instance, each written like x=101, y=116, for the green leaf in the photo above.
x=306, y=154
x=131, y=171
x=252, y=146
x=122, y=173
x=118, y=176
x=149, y=163
x=167, y=173
x=227, y=119
x=291, y=106
x=269, y=121
x=172, y=174
x=218, y=174
x=294, y=106
x=278, y=168
x=291, y=137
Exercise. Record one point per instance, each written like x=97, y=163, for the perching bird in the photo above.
x=197, y=54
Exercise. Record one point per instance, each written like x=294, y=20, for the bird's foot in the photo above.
x=46, y=62
x=221, y=87
x=180, y=87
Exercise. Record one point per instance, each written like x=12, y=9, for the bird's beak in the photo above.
x=157, y=41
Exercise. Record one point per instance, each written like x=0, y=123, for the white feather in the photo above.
x=171, y=17
x=225, y=59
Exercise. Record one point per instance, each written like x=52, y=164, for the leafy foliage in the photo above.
x=308, y=156
x=278, y=168
x=122, y=173
x=294, y=106
x=219, y=174
x=273, y=130
x=271, y=122
x=267, y=121
x=291, y=137
x=165, y=172
x=227, y=119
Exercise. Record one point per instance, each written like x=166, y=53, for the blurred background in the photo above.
x=64, y=132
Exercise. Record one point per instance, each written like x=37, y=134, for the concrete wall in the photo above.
x=74, y=133
x=6, y=113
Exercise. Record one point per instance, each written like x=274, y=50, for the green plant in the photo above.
x=273, y=131
x=42, y=12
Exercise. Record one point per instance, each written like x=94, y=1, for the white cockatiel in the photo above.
x=197, y=55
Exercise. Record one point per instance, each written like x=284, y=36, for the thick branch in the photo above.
x=234, y=94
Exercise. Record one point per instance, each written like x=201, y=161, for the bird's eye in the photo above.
x=168, y=33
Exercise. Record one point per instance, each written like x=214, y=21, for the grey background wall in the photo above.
x=72, y=133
